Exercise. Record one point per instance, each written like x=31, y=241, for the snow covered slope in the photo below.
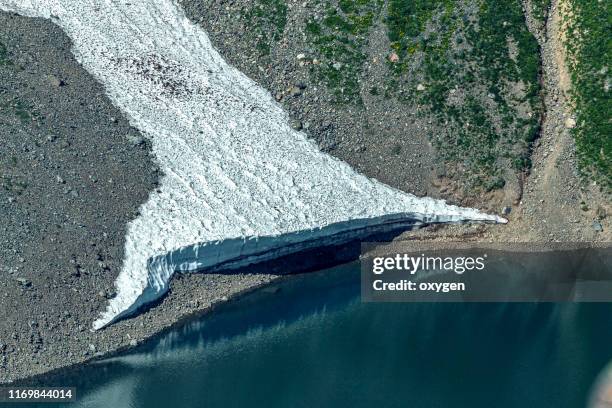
x=239, y=184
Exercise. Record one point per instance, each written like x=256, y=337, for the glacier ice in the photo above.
x=239, y=185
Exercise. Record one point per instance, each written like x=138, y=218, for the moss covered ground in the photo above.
x=589, y=50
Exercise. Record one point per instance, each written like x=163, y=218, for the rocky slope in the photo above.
x=439, y=99
x=558, y=205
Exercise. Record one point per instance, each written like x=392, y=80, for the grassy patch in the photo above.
x=338, y=39
x=539, y=10
x=13, y=185
x=406, y=22
x=11, y=104
x=4, y=56
x=589, y=48
x=267, y=19
x=481, y=53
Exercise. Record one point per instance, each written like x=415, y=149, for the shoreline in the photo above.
x=314, y=259
x=39, y=379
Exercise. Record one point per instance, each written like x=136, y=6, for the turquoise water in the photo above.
x=310, y=342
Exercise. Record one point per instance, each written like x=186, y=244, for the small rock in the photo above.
x=92, y=348
x=597, y=226
x=135, y=140
x=570, y=123
x=133, y=342
x=59, y=179
x=24, y=282
x=337, y=65
x=420, y=87
x=440, y=170
x=601, y=213
x=295, y=91
x=296, y=124
x=506, y=210
x=301, y=56
x=107, y=294
x=393, y=57
x=55, y=81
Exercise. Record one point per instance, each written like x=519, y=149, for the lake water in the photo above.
x=310, y=342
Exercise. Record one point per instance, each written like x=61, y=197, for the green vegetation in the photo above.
x=472, y=65
x=589, y=48
x=479, y=67
x=406, y=22
x=338, y=40
x=267, y=19
x=4, y=56
x=12, y=184
x=16, y=106
x=9, y=102
x=540, y=10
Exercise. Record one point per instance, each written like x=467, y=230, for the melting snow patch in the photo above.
x=240, y=184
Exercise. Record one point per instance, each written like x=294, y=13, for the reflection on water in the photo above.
x=311, y=343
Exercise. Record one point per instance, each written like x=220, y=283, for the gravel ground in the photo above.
x=72, y=175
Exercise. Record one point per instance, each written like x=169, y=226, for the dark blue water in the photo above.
x=312, y=343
